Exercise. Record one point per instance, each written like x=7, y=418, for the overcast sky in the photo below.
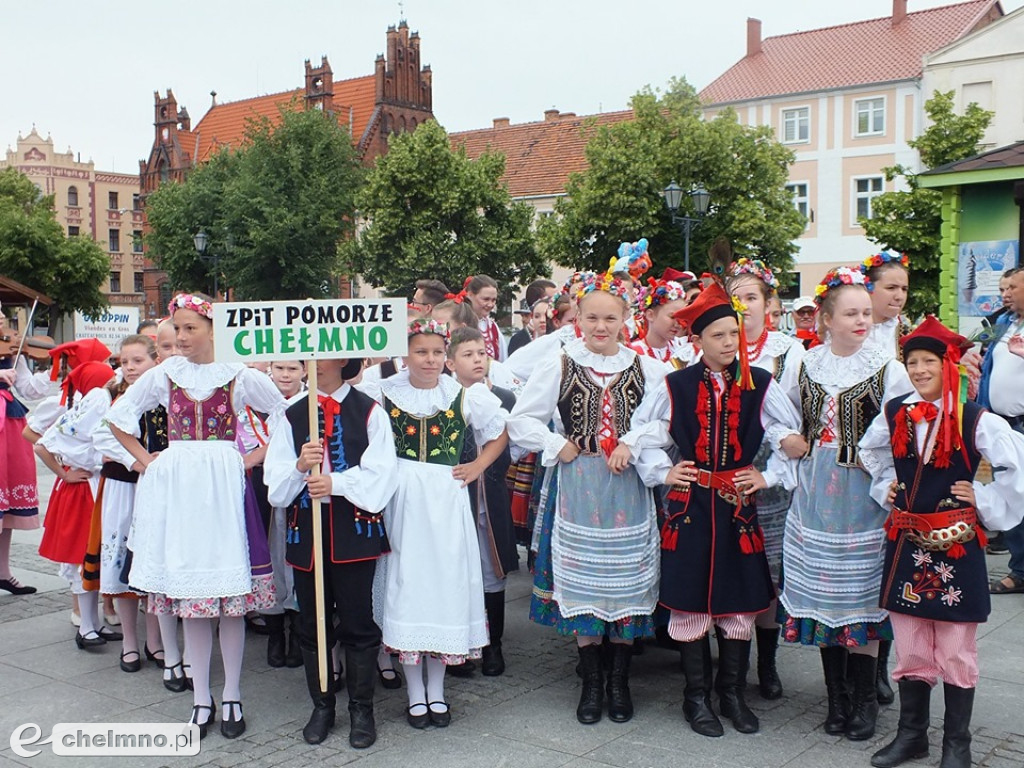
x=85, y=72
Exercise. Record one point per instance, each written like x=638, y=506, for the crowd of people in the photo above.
x=674, y=466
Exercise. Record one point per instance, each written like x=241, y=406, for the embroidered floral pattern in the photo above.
x=435, y=439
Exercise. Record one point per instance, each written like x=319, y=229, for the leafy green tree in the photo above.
x=619, y=197
x=910, y=221
x=35, y=252
x=274, y=211
x=432, y=212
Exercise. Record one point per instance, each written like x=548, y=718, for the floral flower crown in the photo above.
x=566, y=291
x=188, y=301
x=838, y=277
x=885, y=257
x=428, y=325
x=754, y=267
x=608, y=284
x=661, y=292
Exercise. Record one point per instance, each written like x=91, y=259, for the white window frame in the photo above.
x=806, y=109
x=798, y=200
x=856, y=116
x=869, y=196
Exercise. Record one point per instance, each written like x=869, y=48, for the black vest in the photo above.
x=706, y=568
x=350, y=539
x=930, y=583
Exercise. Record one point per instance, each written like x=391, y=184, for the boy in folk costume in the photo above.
x=713, y=566
x=360, y=472
x=922, y=452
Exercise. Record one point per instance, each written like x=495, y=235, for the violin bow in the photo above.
x=28, y=327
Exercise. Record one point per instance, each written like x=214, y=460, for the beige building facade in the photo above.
x=100, y=205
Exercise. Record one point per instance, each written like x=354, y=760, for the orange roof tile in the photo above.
x=539, y=156
x=863, y=52
x=224, y=124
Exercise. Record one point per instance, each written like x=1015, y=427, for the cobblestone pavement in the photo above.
x=525, y=718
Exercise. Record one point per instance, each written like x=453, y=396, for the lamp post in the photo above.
x=201, y=240
x=701, y=200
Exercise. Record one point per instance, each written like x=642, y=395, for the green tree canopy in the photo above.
x=910, y=221
x=35, y=252
x=274, y=211
x=619, y=197
x=433, y=212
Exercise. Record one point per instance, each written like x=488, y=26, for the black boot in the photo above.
x=833, y=663
x=697, y=694
x=322, y=719
x=767, y=675
x=620, y=703
x=293, y=658
x=733, y=660
x=591, y=694
x=911, y=742
x=956, y=727
x=493, y=663
x=862, y=671
x=275, y=639
x=362, y=675
x=883, y=689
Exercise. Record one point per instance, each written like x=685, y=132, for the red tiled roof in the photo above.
x=224, y=124
x=873, y=51
x=539, y=156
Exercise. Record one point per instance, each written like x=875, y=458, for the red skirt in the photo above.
x=19, y=498
x=66, y=528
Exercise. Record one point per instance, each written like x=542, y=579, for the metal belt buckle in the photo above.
x=703, y=478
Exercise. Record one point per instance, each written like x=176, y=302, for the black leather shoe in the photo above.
x=15, y=587
x=697, y=694
x=418, y=721
x=389, y=679
x=131, y=666
x=109, y=634
x=157, y=656
x=911, y=742
x=493, y=662
x=174, y=678
x=862, y=671
x=320, y=723
x=620, y=703
x=204, y=726
x=440, y=719
x=592, y=691
x=768, y=681
x=232, y=727
x=884, y=692
x=733, y=659
x=89, y=640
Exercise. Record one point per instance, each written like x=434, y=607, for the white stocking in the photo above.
x=232, y=648
x=199, y=639
x=435, y=682
x=417, y=691
x=128, y=609
x=89, y=608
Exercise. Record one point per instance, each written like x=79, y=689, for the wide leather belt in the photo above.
x=936, y=531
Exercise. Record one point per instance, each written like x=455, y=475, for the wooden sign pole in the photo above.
x=318, y=536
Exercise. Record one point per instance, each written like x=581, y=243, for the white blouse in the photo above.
x=998, y=503
x=524, y=360
x=369, y=485
x=71, y=436
x=251, y=388
x=780, y=345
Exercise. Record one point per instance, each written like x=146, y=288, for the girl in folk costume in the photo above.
x=434, y=595
x=482, y=293
x=887, y=273
x=489, y=498
x=67, y=449
x=753, y=284
x=833, y=544
x=716, y=414
x=112, y=516
x=923, y=452
x=360, y=473
x=659, y=330
x=596, y=569
x=194, y=549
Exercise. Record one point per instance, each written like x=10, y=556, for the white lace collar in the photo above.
x=885, y=335
x=828, y=369
x=620, y=361
x=776, y=345
x=420, y=402
x=199, y=375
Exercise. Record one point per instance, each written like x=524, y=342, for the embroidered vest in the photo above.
x=435, y=439
x=856, y=407
x=209, y=419
x=579, y=402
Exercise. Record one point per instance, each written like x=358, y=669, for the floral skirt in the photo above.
x=543, y=608
x=261, y=598
x=811, y=632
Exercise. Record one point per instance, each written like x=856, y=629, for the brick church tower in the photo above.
x=174, y=144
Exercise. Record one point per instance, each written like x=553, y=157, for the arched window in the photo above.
x=401, y=124
x=165, y=293
x=73, y=197
x=412, y=124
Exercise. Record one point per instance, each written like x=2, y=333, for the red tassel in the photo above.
x=609, y=444
x=734, y=420
x=893, y=533
x=957, y=551
x=703, y=419
x=746, y=546
x=982, y=538
x=669, y=538
x=677, y=494
x=901, y=434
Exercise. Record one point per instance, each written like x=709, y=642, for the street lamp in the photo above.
x=701, y=200
x=200, y=240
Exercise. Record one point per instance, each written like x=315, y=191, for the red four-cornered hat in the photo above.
x=937, y=338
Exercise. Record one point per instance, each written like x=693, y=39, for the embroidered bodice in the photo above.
x=210, y=419
x=591, y=412
x=433, y=439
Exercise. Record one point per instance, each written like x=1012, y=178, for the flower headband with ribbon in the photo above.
x=661, y=292
x=632, y=258
x=608, y=284
x=840, y=276
x=885, y=257
x=757, y=268
x=423, y=325
x=188, y=301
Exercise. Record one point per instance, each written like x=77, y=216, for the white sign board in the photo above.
x=264, y=331
x=110, y=327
